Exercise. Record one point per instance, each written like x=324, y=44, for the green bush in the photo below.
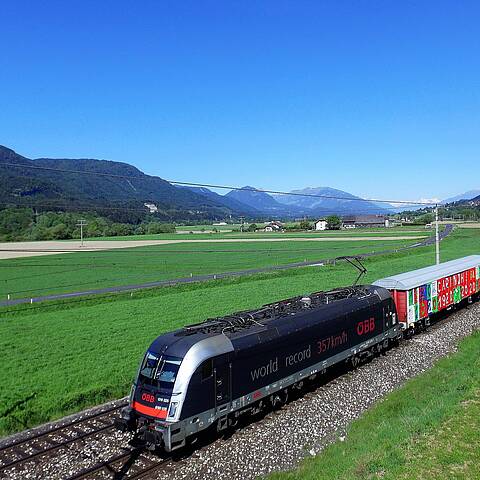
x=157, y=227
x=334, y=222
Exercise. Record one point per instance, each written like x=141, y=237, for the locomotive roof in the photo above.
x=246, y=329
x=416, y=278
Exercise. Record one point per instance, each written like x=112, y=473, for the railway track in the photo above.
x=39, y=444
x=131, y=464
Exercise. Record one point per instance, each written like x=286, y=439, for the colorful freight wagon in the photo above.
x=420, y=293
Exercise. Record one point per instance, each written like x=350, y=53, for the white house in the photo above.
x=273, y=227
x=152, y=207
x=321, y=225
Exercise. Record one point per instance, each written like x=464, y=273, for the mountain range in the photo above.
x=103, y=184
x=106, y=185
x=326, y=201
x=471, y=194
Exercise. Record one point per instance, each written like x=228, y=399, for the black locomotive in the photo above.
x=213, y=372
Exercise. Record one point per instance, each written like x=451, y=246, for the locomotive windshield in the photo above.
x=159, y=371
x=168, y=372
x=149, y=365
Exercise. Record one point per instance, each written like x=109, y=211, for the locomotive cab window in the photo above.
x=148, y=368
x=167, y=371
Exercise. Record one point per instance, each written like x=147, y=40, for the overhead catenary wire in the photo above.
x=206, y=185
x=396, y=249
x=98, y=207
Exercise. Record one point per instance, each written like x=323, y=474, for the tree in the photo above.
x=334, y=222
x=252, y=227
x=59, y=232
x=15, y=221
x=154, y=228
x=424, y=219
x=305, y=225
x=120, y=230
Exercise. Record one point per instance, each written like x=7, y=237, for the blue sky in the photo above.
x=379, y=98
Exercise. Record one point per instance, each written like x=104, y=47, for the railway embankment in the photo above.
x=323, y=421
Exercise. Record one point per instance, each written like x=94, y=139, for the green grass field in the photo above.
x=61, y=357
x=34, y=276
x=358, y=232
x=428, y=429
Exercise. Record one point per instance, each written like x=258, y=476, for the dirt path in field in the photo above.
x=10, y=250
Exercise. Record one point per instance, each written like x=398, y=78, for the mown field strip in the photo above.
x=10, y=250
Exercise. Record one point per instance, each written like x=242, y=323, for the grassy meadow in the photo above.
x=62, y=273
x=59, y=357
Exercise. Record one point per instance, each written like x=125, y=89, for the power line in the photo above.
x=99, y=207
x=211, y=185
x=277, y=192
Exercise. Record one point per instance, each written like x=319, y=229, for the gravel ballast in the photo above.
x=283, y=438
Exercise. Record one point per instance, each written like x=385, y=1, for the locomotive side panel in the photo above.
x=265, y=364
x=200, y=392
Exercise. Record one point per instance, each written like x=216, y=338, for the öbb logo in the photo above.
x=366, y=326
x=146, y=397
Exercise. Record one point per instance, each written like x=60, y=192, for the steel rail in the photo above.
x=17, y=447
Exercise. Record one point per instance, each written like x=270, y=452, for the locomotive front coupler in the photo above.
x=145, y=437
x=127, y=421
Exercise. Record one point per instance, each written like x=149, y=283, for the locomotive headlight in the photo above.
x=173, y=409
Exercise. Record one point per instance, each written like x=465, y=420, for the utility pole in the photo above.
x=35, y=215
x=81, y=223
x=437, y=239
x=242, y=219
